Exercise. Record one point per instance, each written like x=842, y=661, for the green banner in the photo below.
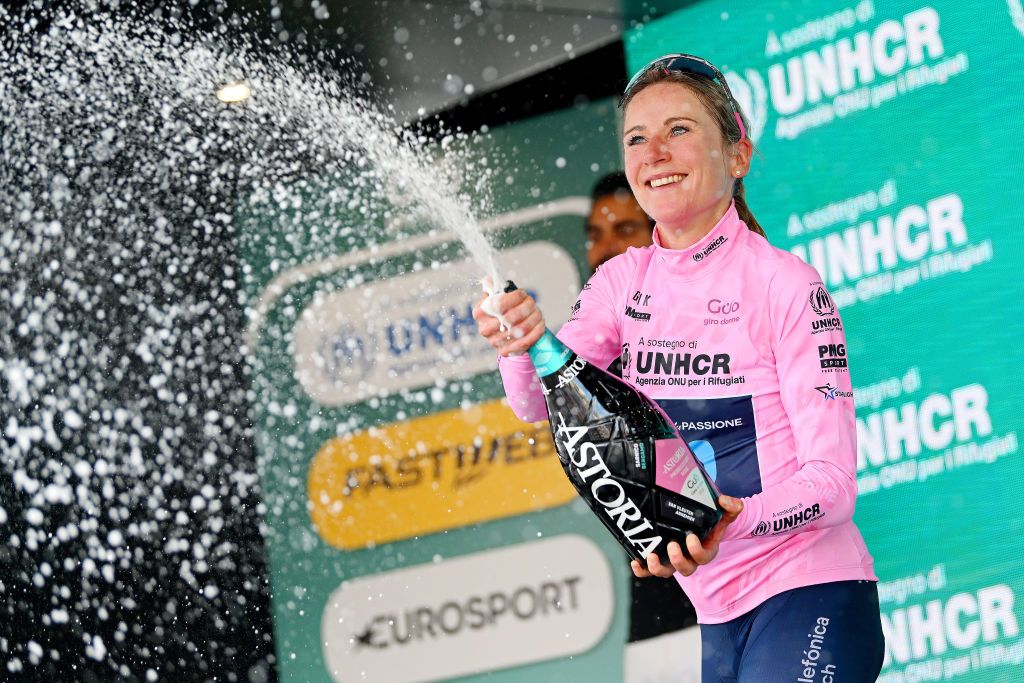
x=887, y=139
x=417, y=530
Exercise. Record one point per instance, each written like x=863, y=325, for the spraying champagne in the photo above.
x=623, y=455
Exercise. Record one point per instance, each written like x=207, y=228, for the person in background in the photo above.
x=616, y=222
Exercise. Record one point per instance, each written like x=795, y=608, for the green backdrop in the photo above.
x=548, y=165
x=887, y=136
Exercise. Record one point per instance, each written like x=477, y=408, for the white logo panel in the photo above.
x=551, y=599
x=413, y=330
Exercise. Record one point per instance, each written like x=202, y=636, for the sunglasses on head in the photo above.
x=689, y=64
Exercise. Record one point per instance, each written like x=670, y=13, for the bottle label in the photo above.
x=590, y=475
x=679, y=472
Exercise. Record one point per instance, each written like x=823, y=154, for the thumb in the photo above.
x=733, y=507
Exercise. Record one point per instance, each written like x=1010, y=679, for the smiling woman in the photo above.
x=747, y=393
x=698, y=126
x=681, y=169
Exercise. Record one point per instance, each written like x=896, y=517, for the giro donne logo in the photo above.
x=752, y=95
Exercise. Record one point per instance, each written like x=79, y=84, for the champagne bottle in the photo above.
x=623, y=454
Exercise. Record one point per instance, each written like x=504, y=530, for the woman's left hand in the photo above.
x=701, y=553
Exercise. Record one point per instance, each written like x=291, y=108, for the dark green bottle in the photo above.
x=623, y=454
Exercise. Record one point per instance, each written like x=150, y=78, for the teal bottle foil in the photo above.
x=549, y=354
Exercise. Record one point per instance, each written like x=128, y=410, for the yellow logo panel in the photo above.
x=433, y=473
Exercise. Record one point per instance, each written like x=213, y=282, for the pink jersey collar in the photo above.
x=708, y=253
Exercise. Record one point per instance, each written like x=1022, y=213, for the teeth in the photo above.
x=666, y=180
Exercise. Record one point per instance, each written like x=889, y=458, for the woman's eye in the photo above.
x=679, y=130
x=634, y=140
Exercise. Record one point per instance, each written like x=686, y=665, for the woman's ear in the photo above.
x=741, y=153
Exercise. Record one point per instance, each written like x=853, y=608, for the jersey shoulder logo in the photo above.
x=821, y=302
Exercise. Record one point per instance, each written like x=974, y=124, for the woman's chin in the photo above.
x=673, y=219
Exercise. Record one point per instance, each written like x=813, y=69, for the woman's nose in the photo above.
x=656, y=151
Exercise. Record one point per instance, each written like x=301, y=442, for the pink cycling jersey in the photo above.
x=741, y=345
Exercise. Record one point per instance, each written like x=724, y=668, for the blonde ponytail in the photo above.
x=743, y=211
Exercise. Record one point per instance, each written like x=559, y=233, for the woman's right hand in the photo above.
x=700, y=552
x=520, y=310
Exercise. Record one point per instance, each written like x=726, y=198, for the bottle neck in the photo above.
x=549, y=354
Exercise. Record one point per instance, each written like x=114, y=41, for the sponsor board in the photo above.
x=934, y=634
x=472, y=614
x=285, y=265
x=910, y=223
x=889, y=250
x=925, y=436
x=841, y=64
x=428, y=474
x=410, y=331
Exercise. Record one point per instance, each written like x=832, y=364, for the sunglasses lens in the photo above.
x=683, y=63
x=688, y=64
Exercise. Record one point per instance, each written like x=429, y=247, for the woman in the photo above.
x=740, y=343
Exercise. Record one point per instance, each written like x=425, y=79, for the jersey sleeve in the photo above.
x=814, y=384
x=592, y=331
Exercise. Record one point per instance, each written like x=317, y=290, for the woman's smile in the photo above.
x=662, y=181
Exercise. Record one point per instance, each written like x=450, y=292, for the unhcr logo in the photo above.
x=719, y=241
x=821, y=302
x=751, y=94
x=406, y=333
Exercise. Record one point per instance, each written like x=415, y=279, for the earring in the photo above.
x=739, y=172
